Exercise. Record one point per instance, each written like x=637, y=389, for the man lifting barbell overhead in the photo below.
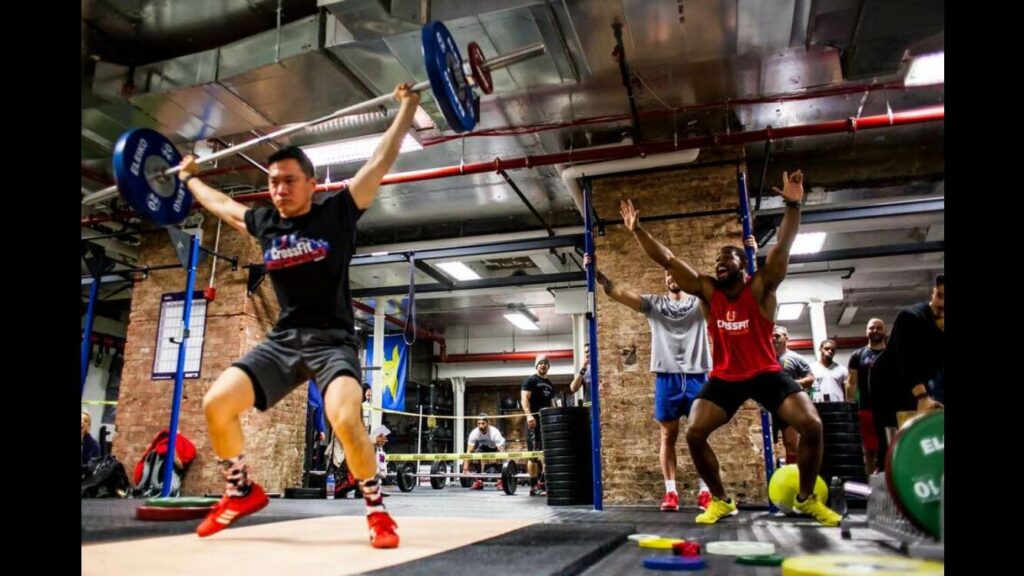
x=307, y=248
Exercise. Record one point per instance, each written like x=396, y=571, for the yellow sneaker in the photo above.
x=716, y=510
x=812, y=507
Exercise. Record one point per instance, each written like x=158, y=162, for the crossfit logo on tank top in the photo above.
x=731, y=325
x=290, y=250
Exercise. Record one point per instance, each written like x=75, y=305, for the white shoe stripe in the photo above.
x=226, y=517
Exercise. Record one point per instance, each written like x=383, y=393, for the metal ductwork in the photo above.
x=874, y=35
x=372, y=19
x=141, y=32
x=272, y=78
x=346, y=127
x=349, y=52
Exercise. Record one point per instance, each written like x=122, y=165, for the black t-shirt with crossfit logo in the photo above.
x=307, y=259
x=542, y=392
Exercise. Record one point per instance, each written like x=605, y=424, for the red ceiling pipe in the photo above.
x=120, y=216
x=420, y=332
x=846, y=342
x=506, y=356
x=929, y=114
x=916, y=116
x=732, y=102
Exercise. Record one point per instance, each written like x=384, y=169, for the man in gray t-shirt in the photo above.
x=798, y=368
x=680, y=360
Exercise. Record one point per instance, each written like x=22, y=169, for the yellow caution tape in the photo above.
x=466, y=456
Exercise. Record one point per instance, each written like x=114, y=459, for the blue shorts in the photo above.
x=675, y=393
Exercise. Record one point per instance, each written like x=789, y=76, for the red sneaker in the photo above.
x=231, y=508
x=477, y=485
x=500, y=485
x=382, y=530
x=670, y=503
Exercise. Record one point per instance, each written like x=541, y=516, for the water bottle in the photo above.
x=330, y=486
x=837, y=496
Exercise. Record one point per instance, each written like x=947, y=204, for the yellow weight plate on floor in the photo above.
x=859, y=566
x=659, y=543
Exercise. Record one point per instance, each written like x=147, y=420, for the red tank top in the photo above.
x=741, y=337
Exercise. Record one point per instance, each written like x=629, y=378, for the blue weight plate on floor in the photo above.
x=675, y=563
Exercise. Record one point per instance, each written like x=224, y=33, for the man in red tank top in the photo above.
x=740, y=311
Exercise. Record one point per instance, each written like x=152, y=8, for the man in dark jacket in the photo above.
x=909, y=375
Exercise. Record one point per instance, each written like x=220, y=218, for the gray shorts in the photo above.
x=290, y=357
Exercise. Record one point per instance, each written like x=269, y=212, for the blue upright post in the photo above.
x=179, y=377
x=766, y=424
x=595, y=379
x=94, y=292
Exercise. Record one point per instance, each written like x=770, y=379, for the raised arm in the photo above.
x=218, y=203
x=366, y=182
x=774, y=271
x=615, y=292
x=684, y=275
x=577, y=381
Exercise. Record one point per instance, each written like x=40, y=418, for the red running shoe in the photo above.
x=231, y=508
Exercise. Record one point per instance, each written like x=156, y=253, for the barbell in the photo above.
x=146, y=163
x=406, y=475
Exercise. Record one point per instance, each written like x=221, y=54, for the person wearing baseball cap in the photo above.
x=536, y=392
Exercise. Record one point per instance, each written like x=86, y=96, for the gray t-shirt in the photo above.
x=679, y=334
x=794, y=364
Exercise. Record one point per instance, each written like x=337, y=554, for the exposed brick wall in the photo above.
x=630, y=435
x=235, y=323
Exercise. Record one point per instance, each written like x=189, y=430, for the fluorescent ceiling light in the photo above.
x=421, y=120
x=847, y=317
x=789, y=311
x=522, y=320
x=458, y=270
x=353, y=150
x=927, y=69
x=809, y=243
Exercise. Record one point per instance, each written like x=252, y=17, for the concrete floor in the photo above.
x=113, y=520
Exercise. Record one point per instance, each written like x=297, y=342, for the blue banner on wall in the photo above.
x=394, y=368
